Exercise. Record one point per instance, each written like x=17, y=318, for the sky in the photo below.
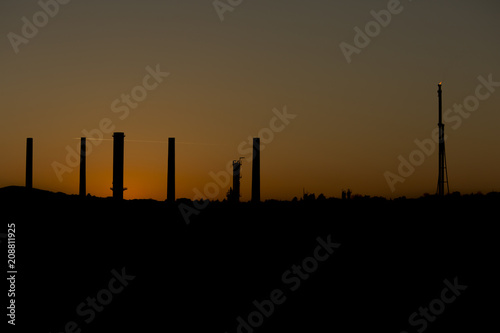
x=337, y=106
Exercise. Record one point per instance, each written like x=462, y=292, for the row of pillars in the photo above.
x=118, y=167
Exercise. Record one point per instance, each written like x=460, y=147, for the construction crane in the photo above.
x=234, y=193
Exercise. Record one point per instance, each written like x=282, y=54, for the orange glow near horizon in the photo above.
x=101, y=68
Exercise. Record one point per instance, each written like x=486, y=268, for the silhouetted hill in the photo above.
x=22, y=193
x=392, y=259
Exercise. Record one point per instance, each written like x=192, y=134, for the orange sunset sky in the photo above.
x=353, y=119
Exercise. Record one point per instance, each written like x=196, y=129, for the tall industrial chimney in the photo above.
x=442, y=168
x=256, y=170
x=83, y=158
x=118, y=152
x=29, y=163
x=171, y=170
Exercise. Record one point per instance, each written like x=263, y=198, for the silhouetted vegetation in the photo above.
x=202, y=276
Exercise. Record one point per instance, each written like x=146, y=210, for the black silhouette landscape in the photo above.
x=237, y=166
x=389, y=258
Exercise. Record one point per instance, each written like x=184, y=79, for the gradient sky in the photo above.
x=353, y=119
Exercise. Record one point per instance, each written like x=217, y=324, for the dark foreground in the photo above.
x=96, y=265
